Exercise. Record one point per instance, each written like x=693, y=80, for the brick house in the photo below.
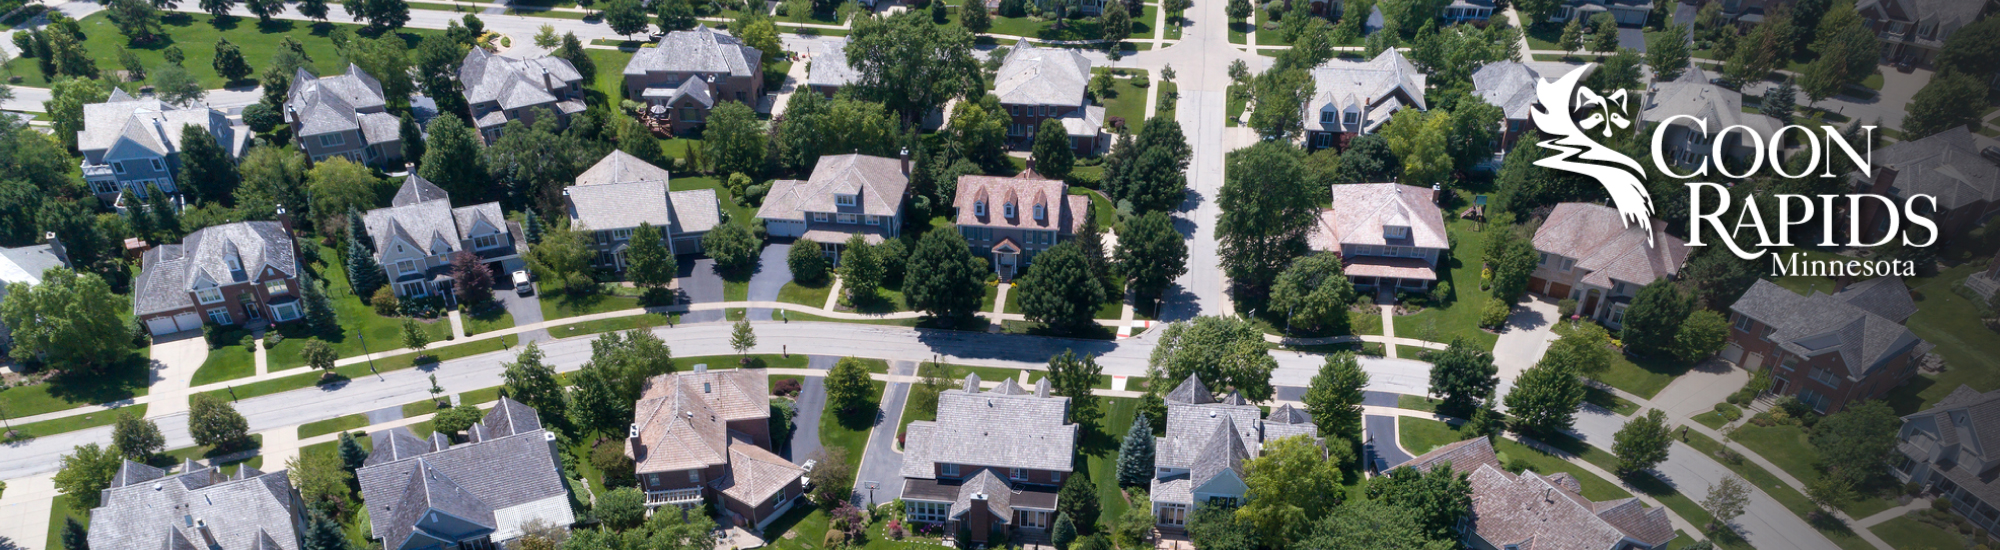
x=688, y=71
x=229, y=274
x=1530, y=510
x=416, y=236
x=1351, y=98
x=1036, y=84
x=1588, y=253
x=992, y=462
x=1200, y=460
x=1010, y=220
x=621, y=191
x=1946, y=165
x=706, y=434
x=846, y=195
x=1390, y=236
x=1953, y=449
x=1509, y=85
x=1828, y=349
x=499, y=89
x=481, y=494
x=344, y=115
x=1914, y=30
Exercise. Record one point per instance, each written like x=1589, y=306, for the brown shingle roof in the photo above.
x=682, y=418
x=1361, y=210
x=1600, y=241
x=1063, y=214
x=1543, y=513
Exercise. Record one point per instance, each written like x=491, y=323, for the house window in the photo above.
x=690, y=114
x=979, y=208
x=1017, y=474
x=406, y=267
x=1567, y=264
x=1544, y=260
x=286, y=311
x=949, y=470
x=844, y=200
x=1617, y=287
x=329, y=140
x=486, y=241
x=1322, y=139
x=1031, y=519
x=819, y=217
x=873, y=220
x=1791, y=362
x=275, y=287
x=1173, y=514
x=694, y=476
x=1618, y=315
x=933, y=512
x=1743, y=322
x=621, y=235
x=849, y=218
x=208, y=295
x=158, y=165
x=1009, y=208
x=118, y=166
x=1766, y=336
x=1824, y=376
x=235, y=263
x=413, y=288
x=219, y=316
x=1055, y=477
x=1326, y=117
x=1351, y=117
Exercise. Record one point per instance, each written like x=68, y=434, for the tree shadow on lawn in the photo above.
x=117, y=382
x=860, y=418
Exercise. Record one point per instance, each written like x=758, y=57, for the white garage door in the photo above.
x=161, y=326
x=1733, y=353
x=188, y=321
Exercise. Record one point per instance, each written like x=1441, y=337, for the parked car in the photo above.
x=521, y=284
x=1991, y=152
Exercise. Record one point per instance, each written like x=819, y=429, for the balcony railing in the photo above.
x=97, y=171
x=678, y=497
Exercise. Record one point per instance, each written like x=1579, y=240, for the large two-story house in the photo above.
x=344, y=115
x=1010, y=220
x=131, y=143
x=1390, y=236
x=1036, y=84
x=1827, y=349
x=200, y=507
x=846, y=195
x=991, y=463
x=1687, y=144
x=234, y=273
x=1947, y=166
x=688, y=71
x=1588, y=253
x=433, y=494
x=1913, y=31
x=1200, y=460
x=1953, y=449
x=705, y=435
x=1530, y=510
x=621, y=191
x=1509, y=85
x=1628, y=13
x=1351, y=98
x=499, y=89
x=416, y=236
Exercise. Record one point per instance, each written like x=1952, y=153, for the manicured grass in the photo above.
x=62, y=508
x=814, y=296
x=1125, y=100
x=487, y=320
x=1416, y=403
x=444, y=7
x=398, y=362
x=331, y=425
x=231, y=361
x=1651, y=486
x=1169, y=101
x=1789, y=449
x=77, y=422
x=1461, y=317
x=1904, y=533
x=1642, y=376
x=629, y=322
x=1610, y=401
x=420, y=408
x=785, y=315
x=1233, y=107
x=361, y=329
x=849, y=430
x=478, y=396
x=197, y=35
x=1421, y=435
x=1712, y=419
x=610, y=81
x=1099, y=446
x=1952, y=323
x=1792, y=499
x=738, y=214
x=118, y=382
x=1106, y=211
x=565, y=305
x=757, y=361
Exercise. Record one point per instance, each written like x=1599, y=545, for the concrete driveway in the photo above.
x=770, y=279
x=881, y=463
x=1381, y=448
x=699, y=283
x=1700, y=389
x=24, y=510
x=175, y=360
x=812, y=404
x=1529, y=330
x=527, y=310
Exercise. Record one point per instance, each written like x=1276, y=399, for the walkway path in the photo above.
x=1388, y=328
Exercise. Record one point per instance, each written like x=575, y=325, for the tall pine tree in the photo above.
x=319, y=311
x=1135, y=455
x=363, y=274
x=166, y=216
x=357, y=230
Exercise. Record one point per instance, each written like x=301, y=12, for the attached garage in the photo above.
x=164, y=325
x=1733, y=353
x=1558, y=291
x=1538, y=285
x=688, y=244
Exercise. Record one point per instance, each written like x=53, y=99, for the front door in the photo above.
x=250, y=307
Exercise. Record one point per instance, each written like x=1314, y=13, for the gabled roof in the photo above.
x=682, y=419
x=514, y=83
x=1219, y=453
x=828, y=65
x=621, y=167
x=189, y=509
x=334, y=103
x=1062, y=213
x=1692, y=94
x=1946, y=165
x=755, y=474
x=697, y=50
x=620, y=191
x=1002, y=428
x=1508, y=85
x=1191, y=427
x=416, y=189
x=26, y=264
x=1970, y=419
x=1948, y=15
x=1884, y=296
x=999, y=495
x=879, y=182
x=1825, y=323
x=1377, y=87
x=1191, y=392
x=1361, y=211
x=148, y=126
x=1601, y=242
x=498, y=484
x=171, y=271
x=1042, y=76
x=1543, y=512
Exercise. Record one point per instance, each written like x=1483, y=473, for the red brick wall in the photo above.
x=1798, y=377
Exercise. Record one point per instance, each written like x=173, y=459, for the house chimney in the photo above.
x=905, y=157
x=292, y=117
x=207, y=535
x=1362, y=128
x=285, y=219
x=1031, y=164
x=548, y=83
x=1437, y=193
x=56, y=247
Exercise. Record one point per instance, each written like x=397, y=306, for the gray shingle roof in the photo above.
x=992, y=429
x=1692, y=94
x=1826, y=323
x=1042, y=76
x=609, y=206
x=152, y=126
x=621, y=167
x=1945, y=165
x=1969, y=418
x=189, y=510
x=1191, y=429
x=416, y=189
x=1884, y=296
x=1508, y=85
x=26, y=264
x=1597, y=237
x=1377, y=87
x=829, y=65
x=514, y=83
x=1191, y=392
x=697, y=50
x=879, y=181
x=695, y=210
x=755, y=474
x=1548, y=512
x=501, y=483
x=998, y=493
x=334, y=103
x=171, y=272
x=1948, y=15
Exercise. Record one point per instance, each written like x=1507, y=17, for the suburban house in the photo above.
x=1829, y=349
x=1509, y=85
x=1913, y=31
x=1527, y=509
x=1946, y=165
x=25, y=265
x=706, y=434
x=1953, y=449
x=344, y=115
x=1629, y=13
x=1748, y=13
x=827, y=70
x=1686, y=144
x=478, y=495
x=1390, y=236
x=621, y=191
x=1588, y=253
x=1351, y=98
x=846, y=195
x=500, y=88
x=1474, y=11
x=1010, y=220
x=991, y=463
x=1200, y=461
x=416, y=236
x=234, y=273
x=1035, y=84
x=201, y=507
x=687, y=72
x=130, y=143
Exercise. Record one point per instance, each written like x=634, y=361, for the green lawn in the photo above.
x=61, y=508
x=1461, y=317
x=1420, y=435
x=1788, y=448
x=814, y=296
x=1651, y=486
x=849, y=430
x=610, y=81
x=1233, y=107
x=629, y=322
x=1952, y=323
x=784, y=315
x=79, y=421
x=385, y=364
x=1099, y=447
x=1905, y=533
x=1792, y=499
x=231, y=361
x=332, y=425
x=1644, y=377
x=1169, y=99
x=361, y=329
x=487, y=319
x=562, y=305
x=124, y=380
x=478, y=396
x=1416, y=403
x=1125, y=101
x=197, y=34
x=1712, y=419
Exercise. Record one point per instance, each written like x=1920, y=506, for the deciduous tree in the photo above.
x=1313, y=293
x=648, y=263
x=734, y=139
x=1151, y=254
x=532, y=382
x=70, y=321
x=1060, y=291
x=1225, y=352
x=880, y=51
x=86, y=472
x=1462, y=377
x=742, y=337
x=1072, y=376
x=1334, y=399
x=1267, y=211
x=847, y=386
x=1290, y=484
x=1437, y=499
x=452, y=161
x=1654, y=318
x=138, y=438
x=1725, y=502
x=1545, y=398
x=944, y=277
x=1052, y=155
x=1948, y=101
x=1643, y=442
x=214, y=422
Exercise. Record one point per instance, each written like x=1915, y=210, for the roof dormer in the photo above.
x=847, y=199
x=1008, y=210
x=1395, y=231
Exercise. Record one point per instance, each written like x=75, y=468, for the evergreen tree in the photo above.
x=1052, y=155
x=74, y=536
x=319, y=315
x=1065, y=531
x=1078, y=500
x=1090, y=241
x=206, y=171
x=1060, y=291
x=412, y=136
x=364, y=276
x=322, y=533
x=352, y=456
x=357, y=230
x=166, y=215
x=1779, y=100
x=531, y=228
x=572, y=51
x=137, y=218
x=1135, y=454
x=1116, y=22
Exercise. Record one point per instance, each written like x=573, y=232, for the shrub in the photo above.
x=1942, y=504
x=1366, y=303
x=1494, y=315
x=1565, y=307
x=1912, y=489
x=1728, y=411
x=787, y=387
x=385, y=302
x=1441, y=293
x=1518, y=465
x=272, y=340
x=1729, y=457
x=608, y=456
